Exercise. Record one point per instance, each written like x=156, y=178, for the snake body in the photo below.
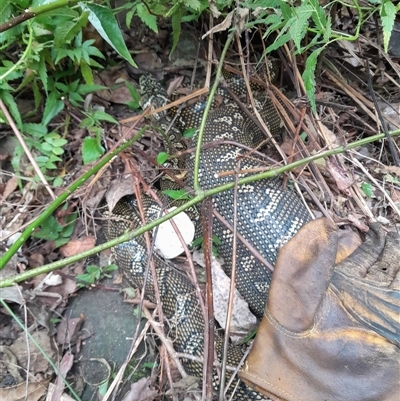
x=268, y=216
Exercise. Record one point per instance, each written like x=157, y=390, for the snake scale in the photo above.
x=268, y=216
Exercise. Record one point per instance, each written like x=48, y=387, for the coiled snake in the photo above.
x=268, y=216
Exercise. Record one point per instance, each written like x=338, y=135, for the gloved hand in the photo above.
x=330, y=332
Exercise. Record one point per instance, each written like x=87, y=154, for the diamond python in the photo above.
x=268, y=216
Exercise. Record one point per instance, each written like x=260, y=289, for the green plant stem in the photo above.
x=24, y=56
x=32, y=12
x=196, y=185
x=44, y=8
x=53, y=365
x=197, y=199
x=63, y=197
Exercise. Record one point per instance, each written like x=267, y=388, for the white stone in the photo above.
x=167, y=241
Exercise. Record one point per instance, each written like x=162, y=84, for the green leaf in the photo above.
x=388, y=15
x=52, y=107
x=7, y=66
x=149, y=19
x=58, y=181
x=135, y=96
x=69, y=228
x=200, y=242
x=59, y=142
x=36, y=130
x=162, y=157
x=61, y=241
x=84, y=89
x=50, y=166
x=63, y=12
x=318, y=16
x=37, y=94
x=176, y=194
x=43, y=73
x=103, y=387
x=49, y=230
x=75, y=99
x=195, y=4
x=86, y=73
x=106, y=25
x=216, y=240
x=367, y=189
x=102, y=116
x=58, y=151
x=89, y=50
x=391, y=178
x=110, y=268
x=309, y=76
x=197, y=242
x=279, y=42
x=328, y=29
x=93, y=273
x=46, y=147
x=298, y=28
x=91, y=150
x=12, y=107
x=189, y=133
x=41, y=159
x=176, y=28
x=66, y=32
x=21, y=3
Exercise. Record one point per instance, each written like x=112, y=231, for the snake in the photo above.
x=268, y=215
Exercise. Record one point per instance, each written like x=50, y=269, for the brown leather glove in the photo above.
x=330, y=333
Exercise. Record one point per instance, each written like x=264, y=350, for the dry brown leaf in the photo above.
x=393, y=170
x=223, y=26
x=395, y=195
x=11, y=186
x=65, y=366
x=174, y=84
x=38, y=363
x=64, y=397
x=141, y=391
x=36, y=260
x=77, y=246
x=121, y=95
x=330, y=136
x=342, y=181
x=32, y=391
x=118, y=189
x=68, y=329
x=242, y=321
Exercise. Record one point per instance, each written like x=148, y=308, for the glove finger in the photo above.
x=302, y=273
x=363, y=258
x=383, y=272
x=374, y=307
x=349, y=241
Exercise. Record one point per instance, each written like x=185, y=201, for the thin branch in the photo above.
x=231, y=291
x=33, y=12
x=376, y=183
x=210, y=99
x=206, y=220
x=392, y=147
x=257, y=255
x=26, y=149
x=119, y=376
